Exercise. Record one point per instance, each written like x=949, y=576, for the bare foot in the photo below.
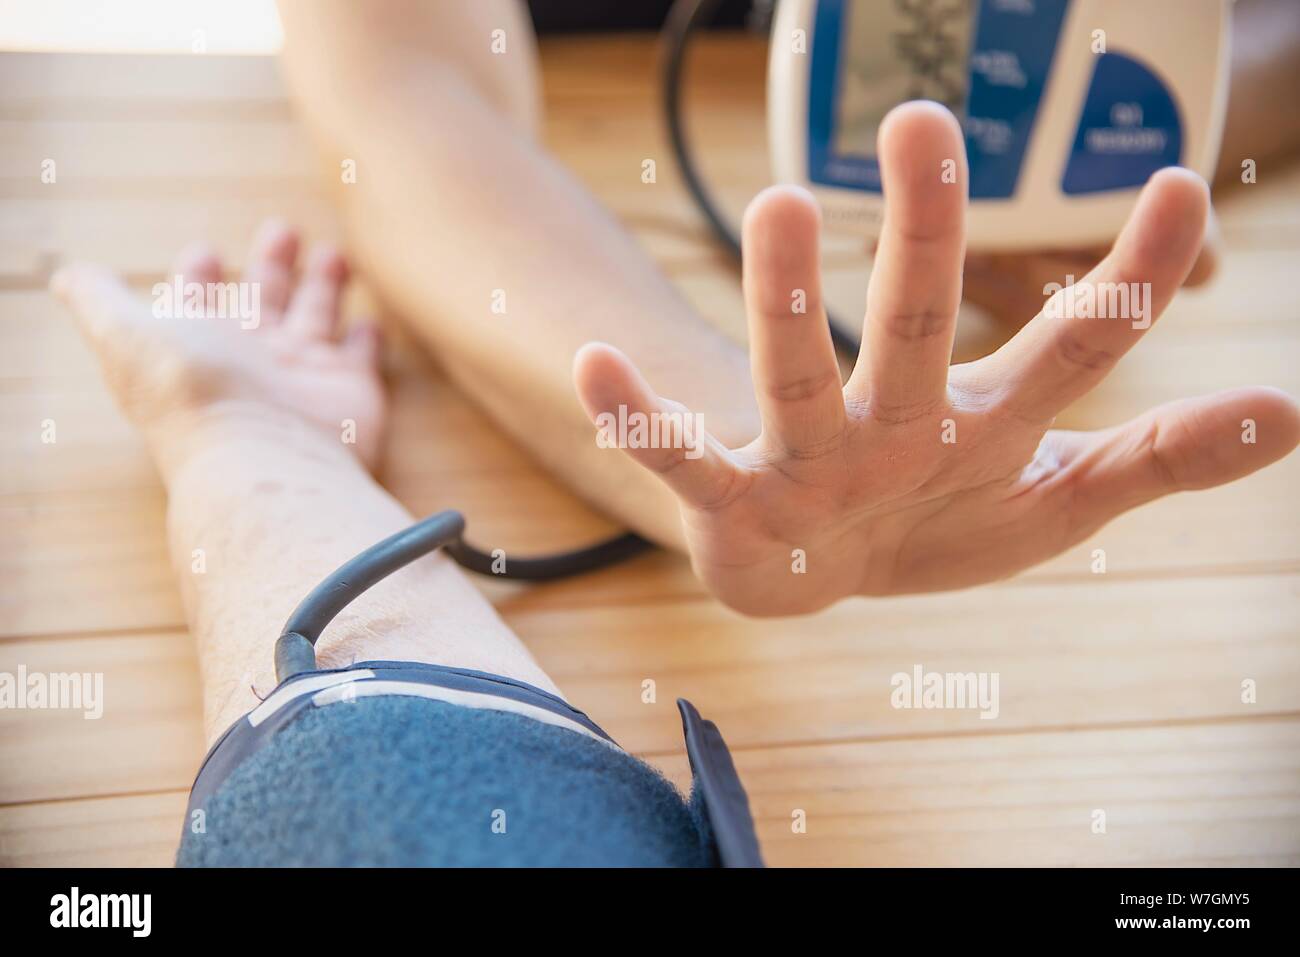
x=271, y=340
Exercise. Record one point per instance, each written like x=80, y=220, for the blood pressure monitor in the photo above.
x=1068, y=106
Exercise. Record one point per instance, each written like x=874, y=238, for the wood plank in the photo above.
x=1201, y=590
x=44, y=353
x=139, y=151
x=1144, y=651
x=138, y=830
x=609, y=160
x=1178, y=796
x=1151, y=651
x=85, y=513
x=580, y=132
x=585, y=79
x=85, y=547
x=95, y=557
x=87, y=563
x=148, y=737
x=140, y=237
x=178, y=83
x=1197, y=795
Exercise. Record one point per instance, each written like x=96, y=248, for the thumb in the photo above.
x=97, y=296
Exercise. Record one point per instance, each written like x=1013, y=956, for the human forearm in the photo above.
x=261, y=507
x=454, y=209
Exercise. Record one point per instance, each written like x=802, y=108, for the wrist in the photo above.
x=231, y=438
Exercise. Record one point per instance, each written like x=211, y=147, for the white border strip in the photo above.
x=468, y=699
x=299, y=688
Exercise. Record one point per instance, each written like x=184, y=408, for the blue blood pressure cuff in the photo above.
x=718, y=788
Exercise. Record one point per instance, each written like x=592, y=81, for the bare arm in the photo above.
x=244, y=424
x=454, y=200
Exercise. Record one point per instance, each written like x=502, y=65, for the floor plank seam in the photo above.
x=108, y=796
x=133, y=631
x=1143, y=725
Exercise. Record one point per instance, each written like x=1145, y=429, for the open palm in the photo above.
x=291, y=353
x=916, y=475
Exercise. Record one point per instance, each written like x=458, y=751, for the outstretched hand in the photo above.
x=916, y=475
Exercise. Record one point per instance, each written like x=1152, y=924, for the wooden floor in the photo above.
x=1119, y=692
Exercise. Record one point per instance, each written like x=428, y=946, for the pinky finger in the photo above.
x=659, y=434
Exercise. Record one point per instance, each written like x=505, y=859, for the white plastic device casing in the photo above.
x=1182, y=43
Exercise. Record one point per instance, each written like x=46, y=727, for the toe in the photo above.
x=270, y=268
x=314, y=309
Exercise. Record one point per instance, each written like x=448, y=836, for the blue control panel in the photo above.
x=990, y=64
x=1014, y=45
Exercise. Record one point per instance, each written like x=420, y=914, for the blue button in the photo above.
x=1129, y=128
